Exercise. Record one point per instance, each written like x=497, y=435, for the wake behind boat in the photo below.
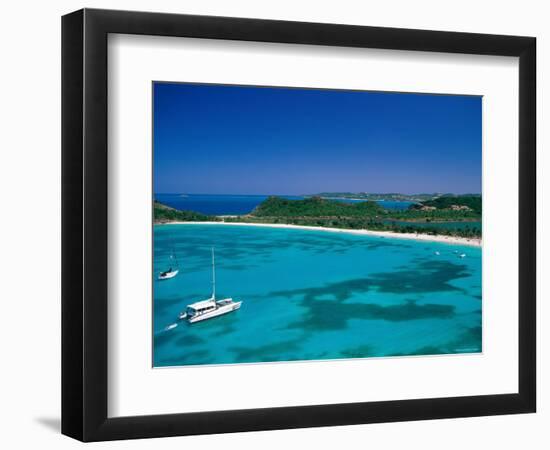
x=209, y=308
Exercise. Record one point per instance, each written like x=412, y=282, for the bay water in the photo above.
x=313, y=295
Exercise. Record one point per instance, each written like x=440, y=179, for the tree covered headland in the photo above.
x=317, y=211
x=471, y=202
x=163, y=213
x=315, y=207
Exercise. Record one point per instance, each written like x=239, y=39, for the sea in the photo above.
x=312, y=295
x=240, y=204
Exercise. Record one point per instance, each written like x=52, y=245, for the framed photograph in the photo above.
x=273, y=224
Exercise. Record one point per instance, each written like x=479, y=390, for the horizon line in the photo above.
x=318, y=194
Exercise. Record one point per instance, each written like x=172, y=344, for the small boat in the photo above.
x=171, y=272
x=462, y=255
x=167, y=274
x=437, y=253
x=209, y=308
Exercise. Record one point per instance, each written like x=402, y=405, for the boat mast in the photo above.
x=213, y=276
x=173, y=255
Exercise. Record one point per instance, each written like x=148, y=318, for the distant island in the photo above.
x=395, y=197
x=436, y=215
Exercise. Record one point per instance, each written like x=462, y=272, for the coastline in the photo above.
x=453, y=240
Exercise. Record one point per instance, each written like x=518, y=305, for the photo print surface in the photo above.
x=299, y=224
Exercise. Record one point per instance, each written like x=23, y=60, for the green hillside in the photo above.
x=316, y=211
x=315, y=207
x=163, y=213
x=472, y=202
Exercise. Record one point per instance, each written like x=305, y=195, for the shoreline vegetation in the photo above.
x=366, y=217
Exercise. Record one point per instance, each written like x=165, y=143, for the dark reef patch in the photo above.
x=469, y=341
x=237, y=266
x=384, y=244
x=190, y=358
x=333, y=315
x=268, y=352
x=362, y=351
x=189, y=339
x=425, y=277
x=426, y=350
x=163, y=338
x=428, y=276
x=225, y=330
x=340, y=290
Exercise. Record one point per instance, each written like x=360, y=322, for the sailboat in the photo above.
x=171, y=272
x=209, y=308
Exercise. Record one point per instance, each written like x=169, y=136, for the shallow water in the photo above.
x=310, y=295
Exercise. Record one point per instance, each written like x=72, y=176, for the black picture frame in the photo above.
x=84, y=224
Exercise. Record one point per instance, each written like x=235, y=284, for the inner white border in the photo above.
x=135, y=388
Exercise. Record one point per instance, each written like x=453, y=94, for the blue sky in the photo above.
x=215, y=139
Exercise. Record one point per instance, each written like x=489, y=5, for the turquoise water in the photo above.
x=313, y=295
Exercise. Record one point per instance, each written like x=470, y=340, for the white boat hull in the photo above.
x=168, y=275
x=223, y=309
x=209, y=308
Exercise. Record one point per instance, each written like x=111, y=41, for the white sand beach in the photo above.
x=455, y=240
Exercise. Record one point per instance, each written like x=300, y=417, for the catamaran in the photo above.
x=171, y=272
x=209, y=308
